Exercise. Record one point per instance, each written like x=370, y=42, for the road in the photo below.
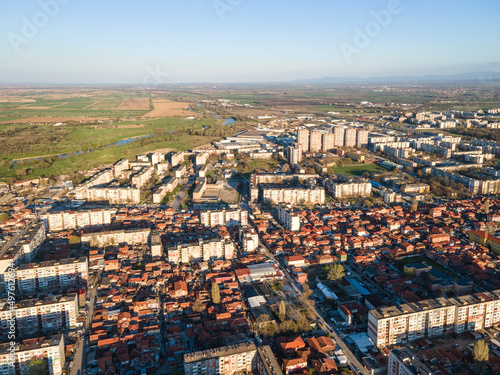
x=80, y=349
x=178, y=199
x=353, y=360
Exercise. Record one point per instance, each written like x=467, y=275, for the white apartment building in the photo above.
x=177, y=158
x=164, y=189
x=350, y=137
x=228, y=360
x=224, y=218
x=140, y=178
x=339, y=135
x=403, y=362
x=62, y=220
x=294, y=154
x=119, y=167
x=327, y=142
x=40, y=315
x=201, y=158
x=434, y=317
x=289, y=220
x=249, y=239
x=361, y=138
x=116, y=237
x=315, y=138
x=292, y=195
x=202, y=250
x=303, y=139
x=50, y=349
x=349, y=190
x=51, y=274
x=114, y=195
x=156, y=244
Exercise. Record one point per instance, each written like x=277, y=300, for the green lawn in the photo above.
x=422, y=258
x=21, y=141
x=357, y=170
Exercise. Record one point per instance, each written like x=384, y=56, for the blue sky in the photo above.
x=163, y=41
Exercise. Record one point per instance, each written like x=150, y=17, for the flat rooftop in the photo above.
x=223, y=351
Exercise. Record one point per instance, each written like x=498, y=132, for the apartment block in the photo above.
x=50, y=350
x=403, y=362
x=435, y=317
x=40, y=315
x=62, y=220
x=27, y=247
x=119, y=167
x=349, y=190
x=164, y=189
x=201, y=158
x=156, y=244
x=339, y=135
x=249, y=239
x=361, y=138
x=227, y=360
x=292, y=195
x=200, y=250
x=116, y=237
x=315, y=138
x=140, y=178
x=294, y=154
x=328, y=142
x=288, y=219
x=224, y=218
x=61, y=273
x=303, y=139
x=177, y=158
x=350, y=137
x=114, y=195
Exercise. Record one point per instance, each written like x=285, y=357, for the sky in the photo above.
x=162, y=41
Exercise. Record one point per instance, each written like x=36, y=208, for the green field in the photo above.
x=21, y=141
x=94, y=106
x=357, y=170
x=422, y=258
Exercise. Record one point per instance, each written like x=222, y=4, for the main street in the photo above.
x=78, y=359
x=353, y=360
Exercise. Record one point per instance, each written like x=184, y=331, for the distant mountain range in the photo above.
x=481, y=78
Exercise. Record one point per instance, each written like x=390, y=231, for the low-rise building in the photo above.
x=403, y=362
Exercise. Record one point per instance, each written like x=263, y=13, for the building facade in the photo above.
x=227, y=360
x=63, y=273
x=50, y=349
x=435, y=317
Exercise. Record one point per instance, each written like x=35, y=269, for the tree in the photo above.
x=414, y=205
x=37, y=366
x=336, y=272
x=282, y=310
x=265, y=326
x=198, y=306
x=3, y=216
x=481, y=354
x=303, y=324
x=215, y=293
x=285, y=168
x=487, y=206
x=289, y=327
